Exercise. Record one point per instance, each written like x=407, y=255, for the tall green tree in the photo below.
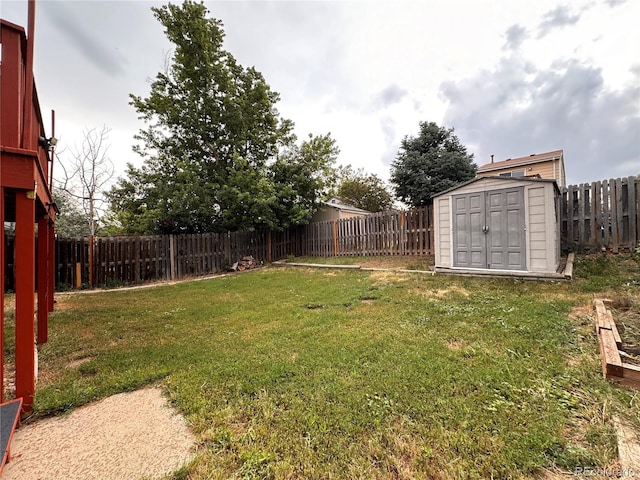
x=302, y=176
x=211, y=130
x=429, y=163
x=363, y=190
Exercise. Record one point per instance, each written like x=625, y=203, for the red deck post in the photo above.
x=52, y=265
x=25, y=287
x=27, y=132
x=2, y=245
x=25, y=176
x=42, y=279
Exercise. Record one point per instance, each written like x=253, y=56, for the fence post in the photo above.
x=227, y=248
x=78, y=277
x=335, y=238
x=634, y=209
x=269, y=255
x=92, y=278
x=402, y=237
x=172, y=256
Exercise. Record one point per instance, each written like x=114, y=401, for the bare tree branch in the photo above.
x=88, y=171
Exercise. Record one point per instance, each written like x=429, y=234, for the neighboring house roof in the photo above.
x=339, y=204
x=500, y=179
x=517, y=162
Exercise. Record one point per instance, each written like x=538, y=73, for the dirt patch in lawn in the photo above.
x=129, y=435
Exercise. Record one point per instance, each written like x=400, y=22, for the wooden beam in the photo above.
x=568, y=269
x=608, y=319
x=27, y=132
x=11, y=87
x=43, y=279
x=2, y=257
x=21, y=169
x=611, y=362
x=25, y=287
x=631, y=372
x=600, y=315
x=51, y=270
x=604, y=320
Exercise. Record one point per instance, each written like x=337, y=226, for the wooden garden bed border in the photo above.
x=613, y=368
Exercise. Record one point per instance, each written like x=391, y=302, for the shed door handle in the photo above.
x=485, y=229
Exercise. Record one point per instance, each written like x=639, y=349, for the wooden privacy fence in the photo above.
x=388, y=233
x=119, y=260
x=601, y=215
x=594, y=216
x=112, y=261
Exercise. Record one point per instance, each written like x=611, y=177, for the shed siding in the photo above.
x=553, y=230
x=538, y=245
x=542, y=230
x=443, y=229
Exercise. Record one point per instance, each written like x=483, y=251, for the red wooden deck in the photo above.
x=25, y=198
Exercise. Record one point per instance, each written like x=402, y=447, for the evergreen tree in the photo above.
x=430, y=163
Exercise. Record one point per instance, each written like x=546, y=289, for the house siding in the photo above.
x=544, y=169
x=326, y=214
x=345, y=214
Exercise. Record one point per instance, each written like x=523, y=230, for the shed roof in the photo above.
x=339, y=204
x=500, y=179
x=516, y=162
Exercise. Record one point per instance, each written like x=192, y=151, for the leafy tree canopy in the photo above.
x=215, y=148
x=363, y=190
x=302, y=176
x=71, y=222
x=430, y=163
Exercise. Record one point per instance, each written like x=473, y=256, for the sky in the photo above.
x=512, y=77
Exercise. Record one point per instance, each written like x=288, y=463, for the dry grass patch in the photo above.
x=79, y=361
x=442, y=292
x=581, y=312
x=457, y=345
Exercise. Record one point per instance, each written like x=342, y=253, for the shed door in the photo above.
x=488, y=230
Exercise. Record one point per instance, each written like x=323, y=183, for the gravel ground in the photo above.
x=125, y=436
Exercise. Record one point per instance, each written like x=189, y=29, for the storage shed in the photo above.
x=494, y=225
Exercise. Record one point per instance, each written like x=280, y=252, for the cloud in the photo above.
x=516, y=110
x=92, y=47
x=559, y=17
x=388, y=127
x=389, y=96
x=615, y=3
x=516, y=34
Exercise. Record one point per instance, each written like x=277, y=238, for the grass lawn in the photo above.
x=300, y=373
